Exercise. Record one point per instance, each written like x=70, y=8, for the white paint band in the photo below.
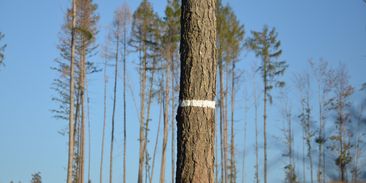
x=197, y=103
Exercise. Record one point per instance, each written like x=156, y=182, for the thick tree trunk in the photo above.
x=196, y=118
x=71, y=113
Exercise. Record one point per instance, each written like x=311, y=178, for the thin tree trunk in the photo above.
x=124, y=103
x=172, y=118
x=149, y=101
x=142, y=114
x=222, y=136
x=89, y=137
x=226, y=126
x=196, y=123
x=104, y=123
x=256, y=130
x=113, y=112
x=232, y=147
x=71, y=113
x=156, y=140
x=82, y=99
x=265, y=122
x=166, y=123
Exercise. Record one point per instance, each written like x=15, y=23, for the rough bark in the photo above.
x=196, y=125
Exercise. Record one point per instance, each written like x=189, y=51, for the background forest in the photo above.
x=290, y=100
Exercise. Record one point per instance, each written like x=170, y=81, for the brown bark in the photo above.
x=71, y=113
x=196, y=125
x=166, y=124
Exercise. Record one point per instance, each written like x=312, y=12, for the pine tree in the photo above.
x=144, y=30
x=265, y=45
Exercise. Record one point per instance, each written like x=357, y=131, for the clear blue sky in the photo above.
x=331, y=29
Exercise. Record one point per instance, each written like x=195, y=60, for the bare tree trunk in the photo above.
x=172, y=117
x=82, y=99
x=113, y=111
x=157, y=138
x=104, y=123
x=256, y=129
x=142, y=114
x=265, y=122
x=196, y=119
x=222, y=120
x=124, y=101
x=89, y=138
x=71, y=113
x=166, y=123
x=232, y=147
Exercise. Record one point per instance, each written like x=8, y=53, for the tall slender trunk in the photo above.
x=256, y=131
x=226, y=126
x=142, y=112
x=149, y=101
x=82, y=99
x=113, y=111
x=89, y=137
x=104, y=123
x=157, y=138
x=320, y=138
x=303, y=158
x=265, y=121
x=166, y=122
x=71, y=113
x=222, y=101
x=172, y=117
x=124, y=103
x=232, y=145
x=196, y=119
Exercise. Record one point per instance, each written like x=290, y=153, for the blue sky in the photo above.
x=331, y=29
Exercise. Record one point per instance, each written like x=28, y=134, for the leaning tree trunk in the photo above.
x=196, y=113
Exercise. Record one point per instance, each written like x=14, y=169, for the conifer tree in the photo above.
x=144, y=28
x=266, y=46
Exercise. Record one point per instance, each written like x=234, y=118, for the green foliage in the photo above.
x=2, y=49
x=230, y=34
x=85, y=34
x=265, y=45
x=36, y=178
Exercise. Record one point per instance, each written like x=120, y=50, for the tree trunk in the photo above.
x=157, y=138
x=196, y=119
x=124, y=102
x=113, y=112
x=265, y=122
x=166, y=124
x=142, y=112
x=104, y=123
x=71, y=113
x=172, y=117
